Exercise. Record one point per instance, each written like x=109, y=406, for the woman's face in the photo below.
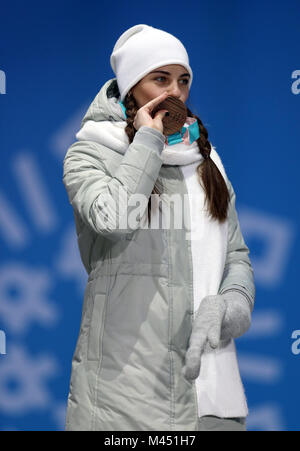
x=172, y=78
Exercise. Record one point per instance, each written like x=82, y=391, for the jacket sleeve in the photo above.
x=238, y=272
x=102, y=200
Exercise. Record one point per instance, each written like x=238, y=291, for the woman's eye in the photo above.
x=185, y=80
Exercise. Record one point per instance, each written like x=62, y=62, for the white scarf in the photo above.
x=112, y=135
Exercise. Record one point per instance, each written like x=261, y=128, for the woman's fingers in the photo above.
x=144, y=116
x=155, y=101
x=193, y=359
x=213, y=335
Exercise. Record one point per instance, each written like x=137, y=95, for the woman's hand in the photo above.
x=219, y=318
x=206, y=330
x=143, y=115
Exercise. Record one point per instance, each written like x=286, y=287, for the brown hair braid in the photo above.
x=216, y=191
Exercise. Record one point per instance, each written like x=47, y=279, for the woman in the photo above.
x=163, y=303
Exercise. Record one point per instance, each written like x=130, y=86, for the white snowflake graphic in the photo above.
x=30, y=301
x=31, y=375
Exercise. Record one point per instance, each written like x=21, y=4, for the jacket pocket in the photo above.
x=96, y=327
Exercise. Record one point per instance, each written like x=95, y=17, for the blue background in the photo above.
x=246, y=90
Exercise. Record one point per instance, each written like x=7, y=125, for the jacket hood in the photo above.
x=105, y=106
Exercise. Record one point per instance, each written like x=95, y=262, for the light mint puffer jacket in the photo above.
x=138, y=304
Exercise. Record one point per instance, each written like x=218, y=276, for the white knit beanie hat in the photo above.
x=141, y=49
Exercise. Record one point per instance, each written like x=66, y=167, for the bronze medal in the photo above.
x=177, y=114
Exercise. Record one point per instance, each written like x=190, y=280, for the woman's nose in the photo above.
x=175, y=91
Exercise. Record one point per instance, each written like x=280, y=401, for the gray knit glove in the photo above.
x=219, y=318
